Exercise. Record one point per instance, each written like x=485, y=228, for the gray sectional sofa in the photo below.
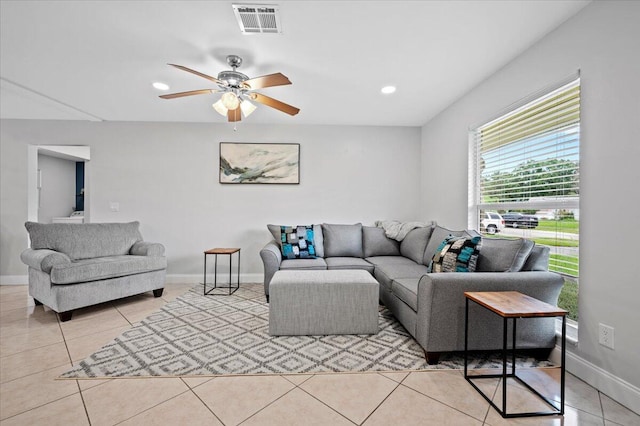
x=76, y=265
x=431, y=305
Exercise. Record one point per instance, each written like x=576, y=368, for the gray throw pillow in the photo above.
x=414, y=244
x=503, y=255
x=342, y=240
x=376, y=243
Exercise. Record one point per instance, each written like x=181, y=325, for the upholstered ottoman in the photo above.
x=323, y=302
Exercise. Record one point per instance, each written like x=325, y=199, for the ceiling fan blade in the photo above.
x=270, y=80
x=189, y=93
x=234, y=115
x=274, y=103
x=208, y=77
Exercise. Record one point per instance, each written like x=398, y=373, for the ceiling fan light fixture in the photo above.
x=230, y=100
x=387, y=90
x=161, y=86
x=247, y=107
x=220, y=108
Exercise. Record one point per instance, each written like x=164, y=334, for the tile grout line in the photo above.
x=444, y=403
x=36, y=407
x=200, y=399
x=398, y=384
x=288, y=392
x=153, y=406
x=84, y=405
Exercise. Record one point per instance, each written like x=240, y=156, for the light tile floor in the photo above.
x=35, y=348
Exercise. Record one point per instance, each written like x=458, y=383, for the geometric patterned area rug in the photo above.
x=197, y=335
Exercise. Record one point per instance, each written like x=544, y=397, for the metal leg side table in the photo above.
x=513, y=305
x=224, y=251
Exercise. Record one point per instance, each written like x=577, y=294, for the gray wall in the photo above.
x=57, y=195
x=166, y=176
x=602, y=41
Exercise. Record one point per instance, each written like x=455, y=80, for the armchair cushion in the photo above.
x=102, y=268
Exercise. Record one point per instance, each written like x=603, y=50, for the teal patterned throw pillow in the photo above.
x=456, y=254
x=297, y=242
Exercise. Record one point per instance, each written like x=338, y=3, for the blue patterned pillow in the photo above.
x=456, y=254
x=297, y=242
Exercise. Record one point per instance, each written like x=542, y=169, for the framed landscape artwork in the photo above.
x=277, y=163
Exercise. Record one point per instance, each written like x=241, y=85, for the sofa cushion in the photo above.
x=390, y=260
x=437, y=236
x=102, y=268
x=387, y=273
x=342, y=240
x=376, y=243
x=348, y=263
x=503, y=255
x=84, y=240
x=406, y=289
x=297, y=242
x=456, y=254
x=317, y=263
x=275, y=230
x=414, y=244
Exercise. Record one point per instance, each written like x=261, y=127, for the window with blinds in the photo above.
x=525, y=167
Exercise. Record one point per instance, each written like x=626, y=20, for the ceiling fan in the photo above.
x=237, y=90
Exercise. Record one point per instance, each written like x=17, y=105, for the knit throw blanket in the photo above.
x=398, y=230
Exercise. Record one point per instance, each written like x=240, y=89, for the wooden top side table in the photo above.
x=221, y=251
x=513, y=305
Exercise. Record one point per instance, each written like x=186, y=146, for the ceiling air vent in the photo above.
x=258, y=18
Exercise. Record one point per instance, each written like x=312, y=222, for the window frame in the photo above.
x=475, y=207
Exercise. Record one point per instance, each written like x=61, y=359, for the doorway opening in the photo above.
x=58, y=183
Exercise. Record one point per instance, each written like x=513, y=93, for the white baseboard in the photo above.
x=14, y=279
x=614, y=387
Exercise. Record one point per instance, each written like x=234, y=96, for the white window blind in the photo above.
x=529, y=158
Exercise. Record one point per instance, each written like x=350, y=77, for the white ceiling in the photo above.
x=96, y=60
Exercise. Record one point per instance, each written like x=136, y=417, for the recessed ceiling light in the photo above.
x=387, y=90
x=161, y=86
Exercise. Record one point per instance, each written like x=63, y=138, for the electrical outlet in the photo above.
x=114, y=206
x=607, y=334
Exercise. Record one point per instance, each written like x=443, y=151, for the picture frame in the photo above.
x=259, y=163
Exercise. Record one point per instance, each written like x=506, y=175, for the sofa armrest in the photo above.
x=441, y=300
x=43, y=259
x=271, y=259
x=143, y=248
